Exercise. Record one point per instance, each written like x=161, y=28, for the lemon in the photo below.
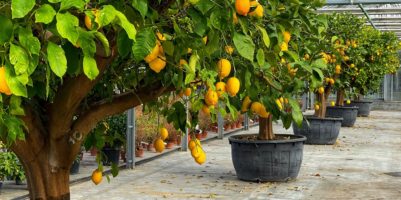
x=163, y=133
x=206, y=109
x=321, y=90
x=183, y=63
x=160, y=36
x=229, y=49
x=284, y=46
x=158, y=64
x=201, y=158
x=245, y=104
x=258, y=12
x=220, y=88
x=287, y=36
x=187, y=92
x=197, y=151
x=242, y=7
x=159, y=145
x=279, y=105
x=3, y=83
x=153, y=54
x=232, y=86
x=317, y=107
x=223, y=68
x=211, y=97
x=97, y=176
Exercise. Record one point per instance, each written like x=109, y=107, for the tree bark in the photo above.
x=321, y=113
x=266, y=128
x=340, y=97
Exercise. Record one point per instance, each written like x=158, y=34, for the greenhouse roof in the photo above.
x=384, y=15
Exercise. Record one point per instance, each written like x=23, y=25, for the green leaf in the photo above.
x=66, y=4
x=54, y=1
x=204, y=6
x=124, y=44
x=19, y=58
x=244, y=45
x=265, y=36
x=30, y=42
x=6, y=29
x=260, y=56
x=16, y=87
x=106, y=15
x=141, y=6
x=145, y=42
x=199, y=22
x=21, y=7
x=126, y=25
x=14, y=128
x=318, y=74
x=189, y=78
x=296, y=111
x=168, y=47
x=293, y=55
x=67, y=26
x=102, y=38
x=90, y=67
x=114, y=169
x=15, y=106
x=45, y=14
x=57, y=59
x=217, y=19
x=87, y=42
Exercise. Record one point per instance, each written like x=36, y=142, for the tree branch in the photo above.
x=70, y=95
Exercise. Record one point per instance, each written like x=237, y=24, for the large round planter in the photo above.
x=347, y=113
x=267, y=160
x=363, y=107
x=75, y=167
x=319, y=130
x=112, y=155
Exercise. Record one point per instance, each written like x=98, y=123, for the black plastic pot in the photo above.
x=347, y=113
x=363, y=107
x=267, y=160
x=112, y=155
x=319, y=130
x=18, y=181
x=1, y=185
x=75, y=167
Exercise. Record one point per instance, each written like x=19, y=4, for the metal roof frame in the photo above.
x=384, y=15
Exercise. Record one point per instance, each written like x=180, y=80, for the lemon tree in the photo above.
x=67, y=65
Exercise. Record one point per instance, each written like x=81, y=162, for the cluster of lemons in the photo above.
x=156, y=58
x=197, y=151
x=248, y=7
x=259, y=109
x=159, y=142
x=3, y=83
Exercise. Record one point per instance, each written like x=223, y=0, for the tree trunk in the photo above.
x=266, y=128
x=321, y=98
x=340, y=97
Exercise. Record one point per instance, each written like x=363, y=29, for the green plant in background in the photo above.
x=10, y=166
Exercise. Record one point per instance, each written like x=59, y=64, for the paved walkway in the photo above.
x=354, y=168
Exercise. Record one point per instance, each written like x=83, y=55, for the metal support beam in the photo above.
x=246, y=122
x=220, y=125
x=184, y=141
x=367, y=15
x=130, y=138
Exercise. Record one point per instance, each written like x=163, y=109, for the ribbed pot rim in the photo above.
x=293, y=139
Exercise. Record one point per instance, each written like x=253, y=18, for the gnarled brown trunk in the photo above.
x=340, y=97
x=321, y=112
x=266, y=128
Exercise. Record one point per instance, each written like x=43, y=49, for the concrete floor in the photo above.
x=354, y=168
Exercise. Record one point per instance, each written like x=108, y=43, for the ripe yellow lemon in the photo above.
x=88, y=21
x=279, y=104
x=158, y=64
x=245, y=104
x=153, y=54
x=229, y=49
x=97, y=176
x=321, y=90
x=258, y=12
x=220, y=88
x=211, y=98
x=163, y=133
x=256, y=107
x=160, y=36
x=159, y=145
x=331, y=81
x=232, y=86
x=242, y=7
x=3, y=83
x=187, y=92
x=332, y=103
x=284, y=46
x=223, y=68
x=204, y=39
x=191, y=144
x=317, y=107
x=348, y=101
x=201, y=158
x=287, y=36
x=197, y=151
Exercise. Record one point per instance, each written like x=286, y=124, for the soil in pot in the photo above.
x=348, y=114
x=319, y=130
x=267, y=160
